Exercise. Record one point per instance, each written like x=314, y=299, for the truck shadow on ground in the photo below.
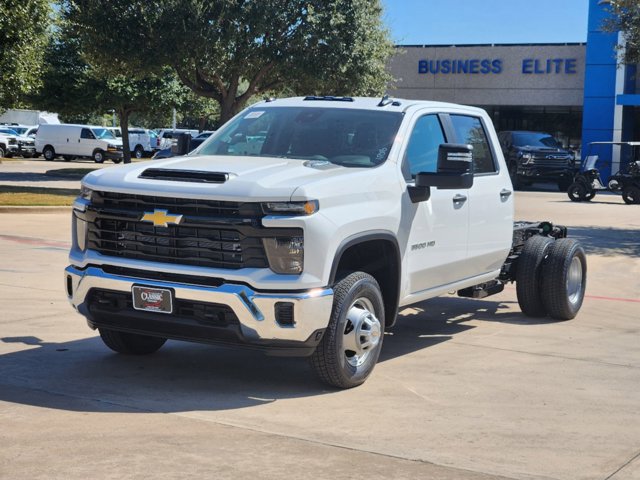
x=608, y=241
x=83, y=375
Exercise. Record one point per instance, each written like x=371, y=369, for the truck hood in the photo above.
x=248, y=178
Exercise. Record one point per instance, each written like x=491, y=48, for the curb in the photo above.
x=36, y=209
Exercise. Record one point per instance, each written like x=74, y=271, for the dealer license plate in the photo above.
x=152, y=299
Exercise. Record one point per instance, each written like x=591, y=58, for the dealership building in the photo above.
x=575, y=91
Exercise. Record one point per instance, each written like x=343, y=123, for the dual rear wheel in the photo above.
x=551, y=277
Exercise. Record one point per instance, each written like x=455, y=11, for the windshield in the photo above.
x=102, y=133
x=8, y=131
x=20, y=130
x=532, y=139
x=348, y=137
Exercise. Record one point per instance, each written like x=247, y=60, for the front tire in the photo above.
x=564, y=279
x=98, y=156
x=130, y=343
x=138, y=152
x=576, y=192
x=528, y=276
x=352, y=342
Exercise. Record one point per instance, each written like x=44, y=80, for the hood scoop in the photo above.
x=195, y=176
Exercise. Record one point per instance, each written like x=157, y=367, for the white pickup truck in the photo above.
x=303, y=225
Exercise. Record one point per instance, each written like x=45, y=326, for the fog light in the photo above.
x=285, y=254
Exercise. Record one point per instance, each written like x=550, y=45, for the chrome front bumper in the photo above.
x=255, y=311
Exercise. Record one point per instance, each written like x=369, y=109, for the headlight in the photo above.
x=285, y=254
x=85, y=193
x=527, y=158
x=291, y=208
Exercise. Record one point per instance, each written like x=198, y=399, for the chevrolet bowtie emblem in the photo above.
x=161, y=218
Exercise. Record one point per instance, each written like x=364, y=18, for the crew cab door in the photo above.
x=490, y=201
x=437, y=229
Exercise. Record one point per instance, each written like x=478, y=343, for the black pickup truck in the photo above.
x=536, y=157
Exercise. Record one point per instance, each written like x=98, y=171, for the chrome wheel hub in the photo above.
x=362, y=332
x=574, y=280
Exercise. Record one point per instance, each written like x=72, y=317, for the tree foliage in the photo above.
x=24, y=26
x=78, y=88
x=626, y=18
x=231, y=50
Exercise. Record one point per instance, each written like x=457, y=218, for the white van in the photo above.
x=142, y=142
x=72, y=141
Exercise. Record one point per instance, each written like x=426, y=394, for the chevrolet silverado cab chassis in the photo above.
x=303, y=225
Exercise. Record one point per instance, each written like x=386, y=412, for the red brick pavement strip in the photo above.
x=25, y=209
x=40, y=242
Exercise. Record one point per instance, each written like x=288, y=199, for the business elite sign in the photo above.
x=491, y=66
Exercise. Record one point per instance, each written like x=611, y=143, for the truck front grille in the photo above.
x=210, y=234
x=550, y=162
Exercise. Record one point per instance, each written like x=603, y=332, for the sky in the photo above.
x=459, y=22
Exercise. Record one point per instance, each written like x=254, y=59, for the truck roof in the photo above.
x=361, y=103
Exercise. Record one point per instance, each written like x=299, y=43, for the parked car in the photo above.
x=169, y=151
x=205, y=134
x=26, y=145
x=8, y=145
x=142, y=142
x=167, y=135
x=536, y=157
x=71, y=141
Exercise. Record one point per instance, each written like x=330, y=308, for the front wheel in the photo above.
x=130, y=343
x=352, y=342
x=564, y=279
x=98, y=156
x=631, y=195
x=576, y=192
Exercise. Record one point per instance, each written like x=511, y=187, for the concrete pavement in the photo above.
x=465, y=389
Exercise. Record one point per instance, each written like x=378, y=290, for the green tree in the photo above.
x=24, y=27
x=79, y=90
x=232, y=50
x=626, y=18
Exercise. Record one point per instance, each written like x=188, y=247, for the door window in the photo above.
x=86, y=133
x=425, y=140
x=469, y=130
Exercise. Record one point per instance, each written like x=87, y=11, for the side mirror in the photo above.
x=455, y=171
x=455, y=168
x=181, y=147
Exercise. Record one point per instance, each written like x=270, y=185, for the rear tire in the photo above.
x=49, y=153
x=564, y=279
x=352, y=342
x=631, y=195
x=130, y=343
x=528, y=276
